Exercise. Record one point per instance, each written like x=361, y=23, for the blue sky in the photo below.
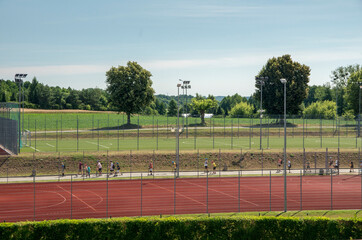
x=219, y=45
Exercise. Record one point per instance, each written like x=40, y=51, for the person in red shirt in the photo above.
x=150, y=168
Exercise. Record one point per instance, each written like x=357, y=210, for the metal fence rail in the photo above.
x=9, y=135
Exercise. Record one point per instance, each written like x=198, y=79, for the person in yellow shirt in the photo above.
x=213, y=167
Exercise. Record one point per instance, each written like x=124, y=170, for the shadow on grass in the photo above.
x=120, y=127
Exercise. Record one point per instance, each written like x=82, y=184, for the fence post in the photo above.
x=71, y=196
x=213, y=133
x=320, y=130
x=250, y=133
x=224, y=125
x=77, y=133
x=238, y=127
x=174, y=192
x=118, y=135
x=303, y=131
x=157, y=135
x=141, y=194
x=232, y=126
x=92, y=126
x=34, y=195
x=270, y=191
x=262, y=161
x=35, y=137
x=195, y=134
x=56, y=136
x=331, y=189
x=301, y=190
x=138, y=133
x=219, y=162
x=207, y=192
x=107, y=185
x=45, y=126
x=239, y=190
x=268, y=134
x=130, y=164
x=153, y=164
x=98, y=136
x=197, y=163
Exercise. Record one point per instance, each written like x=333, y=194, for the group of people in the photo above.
x=280, y=162
x=85, y=170
x=206, y=167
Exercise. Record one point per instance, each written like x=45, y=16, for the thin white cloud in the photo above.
x=55, y=70
x=246, y=60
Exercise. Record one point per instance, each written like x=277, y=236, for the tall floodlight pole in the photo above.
x=186, y=85
x=284, y=81
x=178, y=132
x=359, y=110
x=260, y=80
x=18, y=79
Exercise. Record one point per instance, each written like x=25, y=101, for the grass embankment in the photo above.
x=138, y=161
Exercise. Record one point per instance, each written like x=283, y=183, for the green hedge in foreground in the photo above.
x=186, y=228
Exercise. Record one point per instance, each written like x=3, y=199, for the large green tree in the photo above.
x=297, y=76
x=130, y=88
x=353, y=91
x=201, y=105
x=339, y=79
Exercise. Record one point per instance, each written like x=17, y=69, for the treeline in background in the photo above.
x=336, y=97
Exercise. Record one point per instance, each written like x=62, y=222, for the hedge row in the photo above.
x=186, y=228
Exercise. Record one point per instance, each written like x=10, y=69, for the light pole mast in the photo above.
x=178, y=132
x=185, y=85
x=284, y=81
x=260, y=80
x=359, y=110
x=18, y=79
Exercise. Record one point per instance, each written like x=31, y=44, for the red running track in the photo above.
x=93, y=199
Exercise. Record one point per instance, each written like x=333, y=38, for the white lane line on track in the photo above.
x=224, y=194
x=78, y=198
x=97, y=144
x=178, y=194
x=53, y=205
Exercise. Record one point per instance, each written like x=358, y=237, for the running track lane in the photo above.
x=168, y=196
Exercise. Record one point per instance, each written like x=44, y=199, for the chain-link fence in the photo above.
x=62, y=132
x=78, y=196
x=9, y=128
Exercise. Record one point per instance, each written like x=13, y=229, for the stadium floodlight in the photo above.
x=284, y=81
x=186, y=85
x=178, y=133
x=18, y=79
x=359, y=110
x=261, y=81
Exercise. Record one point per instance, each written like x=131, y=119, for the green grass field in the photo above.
x=68, y=121
x=65, y=132
x=191, y=143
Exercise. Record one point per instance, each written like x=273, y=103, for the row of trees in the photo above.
x=38, y=95
x=129, y=90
